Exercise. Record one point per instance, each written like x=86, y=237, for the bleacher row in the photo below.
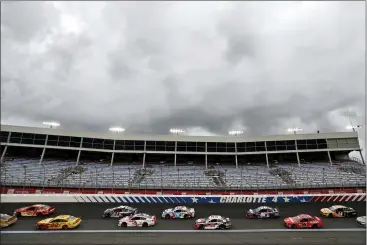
x=55, y=173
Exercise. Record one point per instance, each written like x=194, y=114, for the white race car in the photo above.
x=213, y=222
x=137, y=220
x=361, y=221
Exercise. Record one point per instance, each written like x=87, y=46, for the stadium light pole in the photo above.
x=51, y=124
x=176, y=131
x=235, y=132
x=353, y=127
x=117, y=130
x=294, y=130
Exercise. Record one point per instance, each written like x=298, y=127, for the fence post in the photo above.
x=25, y=176
x=113, y=179
x=161, y=179
x=44, y=176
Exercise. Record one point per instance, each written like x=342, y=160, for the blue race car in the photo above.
x=179, y=212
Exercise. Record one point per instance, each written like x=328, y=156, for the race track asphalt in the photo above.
x=97, y=230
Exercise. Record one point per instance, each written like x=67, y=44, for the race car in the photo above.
x=137, y=220
x=263, y=212
x=361, y=221
x=179, y=212
x=303, y=221
x=213, y=222
x=7, y=220
x=119, y=212
x=63, y=222
x=35, y=210
x=338, y=211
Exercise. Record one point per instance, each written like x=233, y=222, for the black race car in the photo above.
x=263, y=212
x=119, y=212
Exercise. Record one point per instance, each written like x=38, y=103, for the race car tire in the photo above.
x=18, y=214
x=42, y=227
x=106, y=215
x=330, y=216
x=145, y=224
x=64, y=227
x=314, y=226
x=222, y=227
x=124, y=224
x=293, y=226
x=201, y=227
x=186, y=216
x=167, y=216
x=39, y=214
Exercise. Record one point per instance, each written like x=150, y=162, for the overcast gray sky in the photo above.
x=204, y=66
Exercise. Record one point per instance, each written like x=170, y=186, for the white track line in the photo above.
x=184, y=231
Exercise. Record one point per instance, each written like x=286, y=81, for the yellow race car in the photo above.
x=7, y=220
x=63, y=222
x=338, y=211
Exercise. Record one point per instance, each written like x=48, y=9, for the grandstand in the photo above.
x=40, y=157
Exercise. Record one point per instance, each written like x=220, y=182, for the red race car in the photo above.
x=35, y=210
x=303, y=221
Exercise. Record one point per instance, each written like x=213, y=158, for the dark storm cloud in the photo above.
x=215, y=66
x=24, y=21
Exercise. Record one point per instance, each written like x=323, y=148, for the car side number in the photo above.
x=53, y=225
x=27, y=213
x=304, y=224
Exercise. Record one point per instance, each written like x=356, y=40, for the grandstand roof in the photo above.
x=62, y=132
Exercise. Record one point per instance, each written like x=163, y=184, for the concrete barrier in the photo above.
x=179, y=199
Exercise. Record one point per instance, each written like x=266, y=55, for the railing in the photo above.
x=45, y=176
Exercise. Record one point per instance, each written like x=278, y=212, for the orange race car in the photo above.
x=338, y=211
x=35, y=210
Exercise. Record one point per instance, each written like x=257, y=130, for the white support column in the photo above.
x=80, y=146
x=360, y=153
x=113, y=153
x=3, y=154
x=6, y=148
x=328, y=154
x=236, y=159
x=175, y=162
x=206, y=155
x=44, y=150
x=145, y=148
x=298, y=161
x=266, y=154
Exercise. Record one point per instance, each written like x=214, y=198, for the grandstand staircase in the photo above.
x=283, y=174
x=217, y=177
x=66, y=173
x=141, y=175
x=353, y=169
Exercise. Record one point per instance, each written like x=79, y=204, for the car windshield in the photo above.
x=333, y=208
x=4, y=217
x=71, y=218
x=46, y=206
x=296, y=218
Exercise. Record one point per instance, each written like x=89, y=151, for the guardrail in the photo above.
x=15, y=190
x=180, y=199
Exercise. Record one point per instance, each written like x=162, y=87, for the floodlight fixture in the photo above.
x=176, y=131
x=353, y=127
x=117, y=129
x=51, y=124
x=235, y=132
x=294, y=130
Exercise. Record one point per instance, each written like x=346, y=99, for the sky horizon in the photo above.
x=207, y=67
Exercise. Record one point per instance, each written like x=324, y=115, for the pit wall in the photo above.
x=40, y=190
x=180, y=199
